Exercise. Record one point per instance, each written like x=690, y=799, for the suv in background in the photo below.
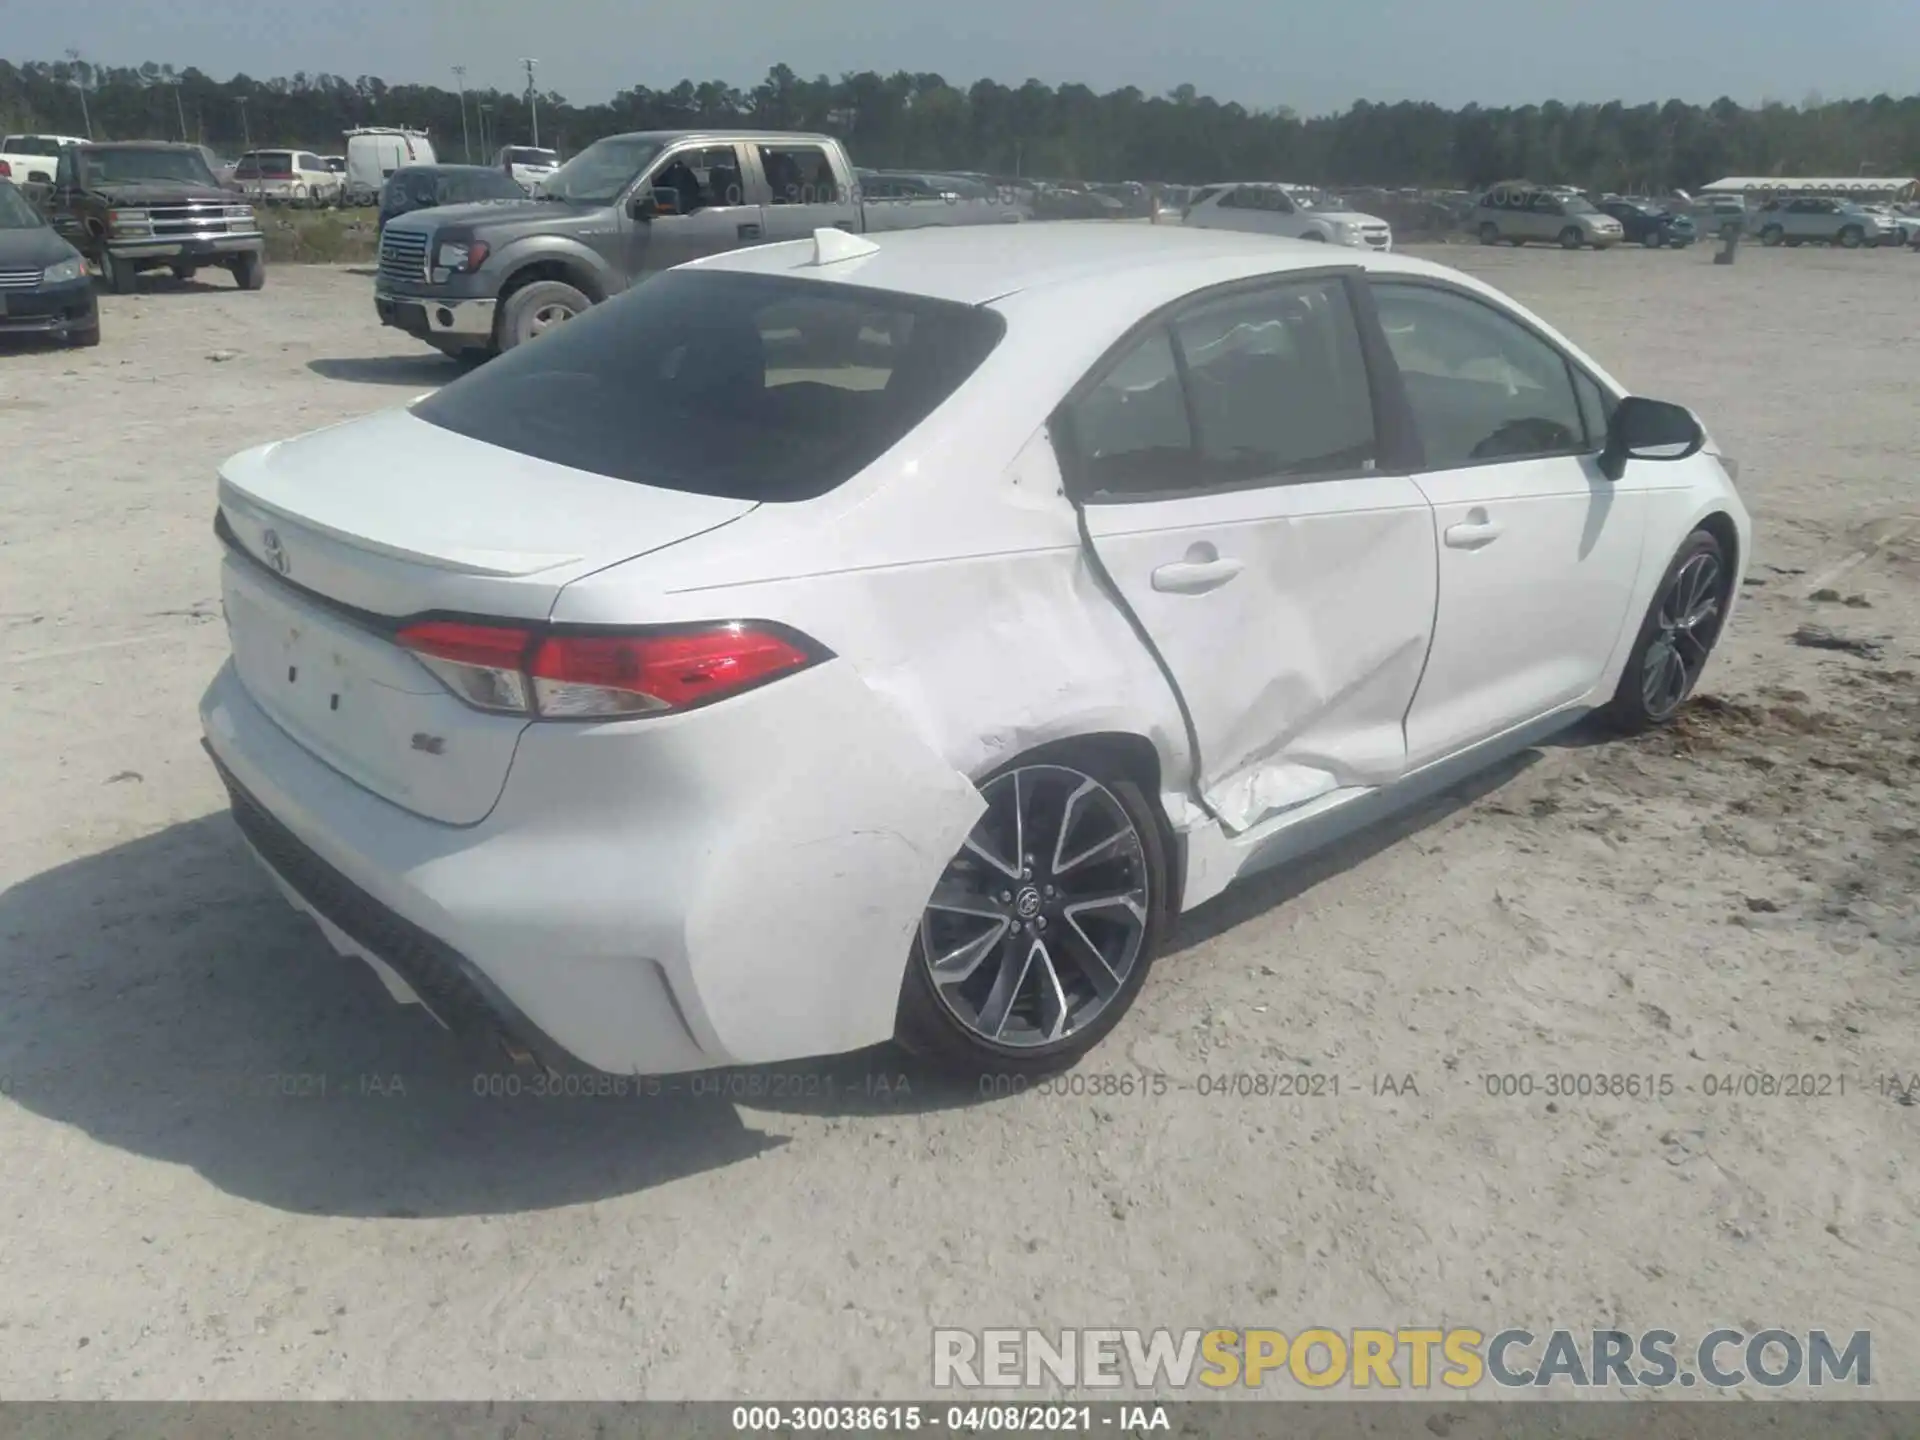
x=140, y=204
x=1516, y=212
x=288, y=177
x=527, y=164
x=1816, y=218
x=1650, y=225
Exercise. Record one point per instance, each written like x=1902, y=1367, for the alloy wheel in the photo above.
x=1038, y=922
x=546, y=318
x=1687, y=624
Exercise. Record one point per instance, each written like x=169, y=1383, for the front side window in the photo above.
x=16, y=213
x=799, y=175
x=752, y=387
x=699, y=180
x=1482, y=387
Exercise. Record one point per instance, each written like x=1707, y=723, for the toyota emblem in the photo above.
x=276, y=552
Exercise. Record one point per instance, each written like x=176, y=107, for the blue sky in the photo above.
x=1312, y=55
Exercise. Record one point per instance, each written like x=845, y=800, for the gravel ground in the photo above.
x=1735, y=896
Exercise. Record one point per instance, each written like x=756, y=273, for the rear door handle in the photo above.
x=749, y=230
x=1472, y=534
x=1195, y=577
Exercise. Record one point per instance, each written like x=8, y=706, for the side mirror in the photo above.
x=642, y=205
x=1649, y=430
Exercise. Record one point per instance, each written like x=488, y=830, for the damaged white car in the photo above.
x=839, y=640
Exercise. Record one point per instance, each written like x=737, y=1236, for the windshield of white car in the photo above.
x=1578, y=205
x=133, y=165
x=533, y=157
x=750, y=387
x=15, y=212
x=598, y=174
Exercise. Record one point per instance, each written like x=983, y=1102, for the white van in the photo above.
x=375, y=152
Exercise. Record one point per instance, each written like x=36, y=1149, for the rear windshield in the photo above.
x=751, y=387
x=264, y=162
x=534, y=157
x=33, y=145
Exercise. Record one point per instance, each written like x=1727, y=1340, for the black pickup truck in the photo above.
x=136, y=205
x=478, y=279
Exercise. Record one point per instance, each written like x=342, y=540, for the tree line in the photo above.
x=1067, y=131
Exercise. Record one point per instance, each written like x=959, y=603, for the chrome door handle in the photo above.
x=1195, y=577
x=1472, y=534
x=748, y=230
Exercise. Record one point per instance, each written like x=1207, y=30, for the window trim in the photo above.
x=1392, y=423
x=1591, y=445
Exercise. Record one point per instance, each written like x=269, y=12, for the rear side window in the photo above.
x=751, y=387
x=799, y=175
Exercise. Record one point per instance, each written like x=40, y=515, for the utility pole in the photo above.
x=80, y=84
x=246, y=130
x=533, y=103
x=180, y=110
x=466, y=144
x=483, y=107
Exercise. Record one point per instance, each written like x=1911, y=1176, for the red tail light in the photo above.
x=6, y=171
x=597, y=676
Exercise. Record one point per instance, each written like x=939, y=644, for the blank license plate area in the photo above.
x=350, y=696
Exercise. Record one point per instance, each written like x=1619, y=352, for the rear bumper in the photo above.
x=648, y=896
x=437, y=320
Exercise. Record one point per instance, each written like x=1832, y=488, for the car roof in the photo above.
x=978, y=264
x=137, y=145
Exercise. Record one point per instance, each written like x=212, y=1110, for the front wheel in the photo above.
x=184, y=273
x=85, y=339
x=1041, y=930
x=533, y=310
x=1852, y=236
x=119, y=274
x=1570, y=238
x=1489, y=233
x=250, y=270
x=1772, y=235
x=1675, y=639
x=1653, y=239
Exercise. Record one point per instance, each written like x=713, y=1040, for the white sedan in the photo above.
x=840, y=640
x=1296, y=212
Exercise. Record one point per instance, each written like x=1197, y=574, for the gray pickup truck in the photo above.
x=478, y=279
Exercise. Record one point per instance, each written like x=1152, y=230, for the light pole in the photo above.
x=466, y=145
x=80, y=84
x=180, y=110
x=533, y=104
x=483, y=108
x=246, y=131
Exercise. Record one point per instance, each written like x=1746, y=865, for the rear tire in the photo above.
x=1772, y=235
x=532, y=310
x=1031, y=948
x=1489, y=233
x=1653, y=239
x=184, y=273
x=1676, y=638
x=250, y=270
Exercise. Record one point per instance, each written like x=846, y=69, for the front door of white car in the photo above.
x=1539, y=550
x=1228, y=463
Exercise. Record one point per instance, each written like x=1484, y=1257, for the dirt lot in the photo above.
x=1734, y=897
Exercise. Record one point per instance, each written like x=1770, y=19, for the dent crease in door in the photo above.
x=1343, y=609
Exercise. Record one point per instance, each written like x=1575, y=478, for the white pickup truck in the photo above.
x=29, y=158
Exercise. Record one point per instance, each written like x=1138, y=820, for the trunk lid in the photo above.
x=337, y=536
